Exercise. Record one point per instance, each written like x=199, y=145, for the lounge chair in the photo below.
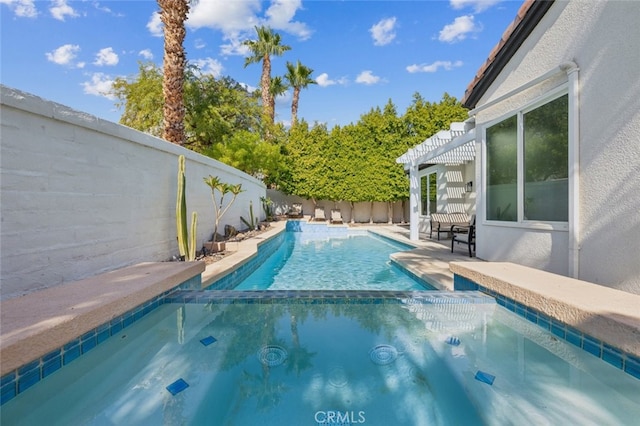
x=465, y=234
x=295, y=211
x=319, y=214
x=336, y=216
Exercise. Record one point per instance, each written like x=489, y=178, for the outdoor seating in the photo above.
x=319, y=214
x=336, y=216
x=295, y=211
x=442, y=222
x=465, y=234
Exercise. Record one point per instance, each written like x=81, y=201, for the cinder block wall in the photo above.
x=81, y=196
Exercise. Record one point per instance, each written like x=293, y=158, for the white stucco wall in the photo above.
x=81, y=196
x=603, y=39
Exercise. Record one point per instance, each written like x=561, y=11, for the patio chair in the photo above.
x=295, y=211
x=465, y=234
x=336, y=216
x=319, y=214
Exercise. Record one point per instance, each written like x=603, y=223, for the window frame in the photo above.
x=521, y=222
x=425, y=174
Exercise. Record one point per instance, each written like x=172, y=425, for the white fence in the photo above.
x=82, y=196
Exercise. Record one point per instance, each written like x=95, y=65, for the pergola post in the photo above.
x=414, y=202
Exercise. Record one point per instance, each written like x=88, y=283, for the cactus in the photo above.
x=186, y=247
x=252, y=223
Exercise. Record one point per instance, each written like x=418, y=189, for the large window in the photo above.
x=527, y=165
x=428, y=194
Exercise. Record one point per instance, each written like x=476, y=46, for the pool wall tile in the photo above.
x=614, y=356
x=32, y=372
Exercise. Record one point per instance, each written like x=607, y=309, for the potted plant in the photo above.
x=220, y=209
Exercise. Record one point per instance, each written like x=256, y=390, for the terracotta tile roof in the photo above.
x=526, y=19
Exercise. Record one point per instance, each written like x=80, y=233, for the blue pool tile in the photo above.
x=27, y=368
x=632, y=367
x=574, y=337
x=102, y=335
x=592, y=346
x=127, y=320
x=453, y=341
x=89, y=344
x=8, y=378
x=8, y=392
x=208, y=340
x=612, y=355
x=28, y=380
x=51, y=366
x=558, y=329
x=116, y=325
x=485, y=377
x=71, y=354
x=177, y=386
x=544, y=323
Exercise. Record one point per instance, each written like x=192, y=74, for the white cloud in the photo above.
x=237, y=20
x=280, y=15
x=447, y=65
x=60, y=9
x=323, y=80
x=227, y=16
x=234, y=47
x=209, y=66
x=99, y=85
x=64, y=55
x=155, y=25
x=199, y=44
x=106, y=56
x=367, y=77
x=477, y=5
x=146, y=54
x=22, y=8
x=249, y=88
x=383, y=32
x=459, y=29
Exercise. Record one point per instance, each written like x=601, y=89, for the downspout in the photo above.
x=414, y=202
x=572, y=71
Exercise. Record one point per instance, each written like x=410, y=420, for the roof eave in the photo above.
x=493, y=67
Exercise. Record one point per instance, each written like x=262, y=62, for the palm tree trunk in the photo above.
x=265, y=83
x=173, y=13
x=294, y=105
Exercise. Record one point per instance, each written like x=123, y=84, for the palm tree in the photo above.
x=276, y=88
x=299, y=77
x=267, y=44
x=173, y=14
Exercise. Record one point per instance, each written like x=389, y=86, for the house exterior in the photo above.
x=556, y=108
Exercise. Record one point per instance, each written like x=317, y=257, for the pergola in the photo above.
x=453, y=146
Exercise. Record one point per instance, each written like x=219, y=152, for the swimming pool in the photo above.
x=337, y=261
x=412, y=358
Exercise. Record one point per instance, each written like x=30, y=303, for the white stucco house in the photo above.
x=556, y=116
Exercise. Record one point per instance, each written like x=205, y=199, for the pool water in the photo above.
x=315, y=261
x=424, y=360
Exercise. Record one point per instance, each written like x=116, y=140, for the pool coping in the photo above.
x=31, y=329
x=607, y=314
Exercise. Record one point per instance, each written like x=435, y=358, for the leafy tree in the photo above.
x=141, y=98
x=267, y=45
x=215, y=108
x=299, y=77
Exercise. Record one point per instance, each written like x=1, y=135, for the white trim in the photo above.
x=566, y=67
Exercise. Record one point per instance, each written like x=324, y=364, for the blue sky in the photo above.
x=363, y=53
